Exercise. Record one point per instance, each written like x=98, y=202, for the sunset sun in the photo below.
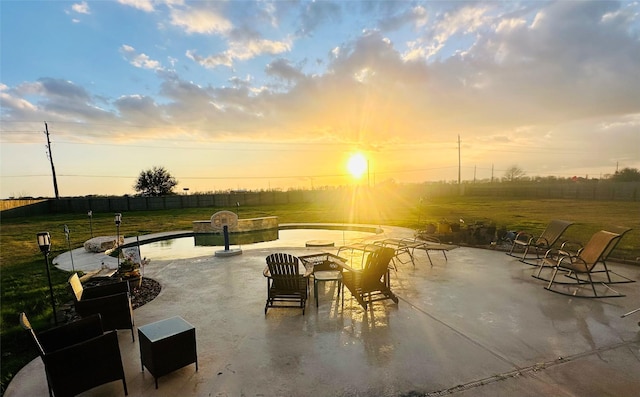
x=357, y=165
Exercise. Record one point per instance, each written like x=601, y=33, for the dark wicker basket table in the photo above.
x=167, y=345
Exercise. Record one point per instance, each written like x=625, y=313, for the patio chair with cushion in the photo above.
x=582, y=264
x=111, y=301
x=371, y=283
x=78, y=356
x=285, y=284
x=526, y=241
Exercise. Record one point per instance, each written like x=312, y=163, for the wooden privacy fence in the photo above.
x=598, y=190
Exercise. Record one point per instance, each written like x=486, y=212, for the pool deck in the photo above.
x=476, y=324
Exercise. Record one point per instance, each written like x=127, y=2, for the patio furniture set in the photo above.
x=288, y=286
x=85, y=353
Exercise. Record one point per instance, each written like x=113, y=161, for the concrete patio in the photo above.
x=476, y=324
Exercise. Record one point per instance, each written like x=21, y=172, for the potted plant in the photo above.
x=130, y=267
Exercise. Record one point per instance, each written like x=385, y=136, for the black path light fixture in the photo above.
x=118, y=221
x=44, y=242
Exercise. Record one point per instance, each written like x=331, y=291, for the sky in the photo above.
x=278, y=95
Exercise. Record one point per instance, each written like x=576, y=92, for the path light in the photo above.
x=90, y=215
x=44, y=242
x=67, y=236
x=118, y=220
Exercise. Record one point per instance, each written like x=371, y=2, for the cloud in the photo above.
x=211, y=61
x=545, y=87
x=200, y=20
x=243, y=45
x=282, y=68
x=139, y=60
x=81, y=8
x=142, y=5
x=416, y=17
x=248, y=48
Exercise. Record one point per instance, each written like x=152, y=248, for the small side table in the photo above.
x=325, y=267
x=327, y=275
x=167, y=345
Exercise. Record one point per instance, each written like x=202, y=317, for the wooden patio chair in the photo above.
x=582, y=264
x=285, y=284
x=371, y=283
x=526, y=241
x=111, y=301
x=78, y=356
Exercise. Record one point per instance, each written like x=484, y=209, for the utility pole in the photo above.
x=459, y=159
x=50, y=155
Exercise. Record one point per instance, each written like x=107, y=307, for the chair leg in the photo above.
x=553, y=277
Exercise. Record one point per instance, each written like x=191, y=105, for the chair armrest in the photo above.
x=539, y=242
x=104, y=290
x=573, y=262
x=523, y=238
x=572, y=248
x=348, y=268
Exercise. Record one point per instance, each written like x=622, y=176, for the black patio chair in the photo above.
x=78, y=356
x=111, y=301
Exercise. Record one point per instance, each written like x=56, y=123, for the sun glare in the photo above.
x=357, y=165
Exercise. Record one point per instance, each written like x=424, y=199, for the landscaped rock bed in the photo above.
x=148, y=291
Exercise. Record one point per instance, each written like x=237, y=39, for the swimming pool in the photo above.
x=189, y=247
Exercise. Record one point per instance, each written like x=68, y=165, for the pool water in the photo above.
x=190, y=247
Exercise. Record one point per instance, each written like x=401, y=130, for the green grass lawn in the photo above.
x=23, y=279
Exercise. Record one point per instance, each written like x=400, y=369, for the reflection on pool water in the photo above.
x=189, y=247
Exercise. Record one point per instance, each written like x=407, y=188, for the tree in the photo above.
x=627, y=175
x=155, y=182
x=514, y=173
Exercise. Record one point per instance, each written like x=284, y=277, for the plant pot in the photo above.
x=134, y=282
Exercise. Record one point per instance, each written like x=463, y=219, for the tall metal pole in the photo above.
x=459, y=163
x=44, y=242
x=53, y=169
x=53, y=300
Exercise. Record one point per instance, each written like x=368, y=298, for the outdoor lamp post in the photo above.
x=118, y=220
x=44, y=242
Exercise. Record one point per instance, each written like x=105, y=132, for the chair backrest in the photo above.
x=618, y=230
x=284, y=270
x=71, y=333
x=59, y=337
x=76, y=286
x=594, y=250
x=553, y=231
x=377, y=264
